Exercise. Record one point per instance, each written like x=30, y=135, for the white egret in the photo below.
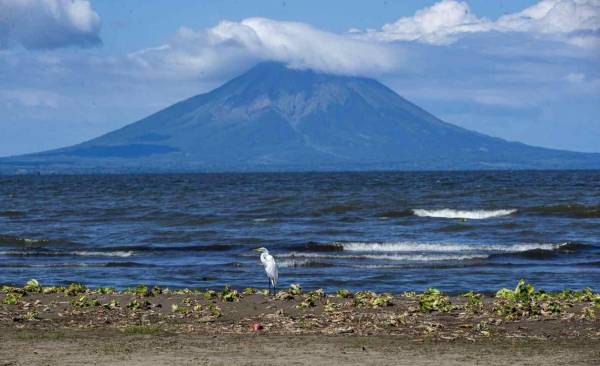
x=270, y=267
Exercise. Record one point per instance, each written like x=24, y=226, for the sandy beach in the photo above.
x=75, y=325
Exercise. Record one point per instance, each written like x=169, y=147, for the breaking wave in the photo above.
x=444, y=247
x=388, y=257
x=449, y=213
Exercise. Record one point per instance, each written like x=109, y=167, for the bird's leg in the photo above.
x=269, y=280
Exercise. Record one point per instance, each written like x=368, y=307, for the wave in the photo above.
x=38, y=253
x=447, y=247
x=569, y=210
x=11, y=239
x=118, y=253
x=303, y=263
x=189, y=248
x=544, y=253
x=388, y=257
x=449, y=213
x=77, y=265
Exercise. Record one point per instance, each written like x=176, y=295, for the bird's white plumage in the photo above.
x=270, y=267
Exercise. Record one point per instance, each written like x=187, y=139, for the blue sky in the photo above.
x=521, y=70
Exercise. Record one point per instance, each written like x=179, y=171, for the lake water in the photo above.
x=379, y=231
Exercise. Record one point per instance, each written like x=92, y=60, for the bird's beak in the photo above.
x=256, y=250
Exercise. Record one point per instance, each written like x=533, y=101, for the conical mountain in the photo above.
x=276, y=118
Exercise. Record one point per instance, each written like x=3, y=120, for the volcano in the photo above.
x=277, y=118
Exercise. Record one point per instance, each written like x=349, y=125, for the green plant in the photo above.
x=113, y=304
x=524, y=301
x=84, y=301
x=214, y=310
x=330, y=307
x=433, y=300
x=105, y=290
x=381, y=300
x=474, y=302
x=53, y=290
x=75, y=289
x=344, y=294
x=32, y=286
x=295, y=289
x=229, y=295
x=11, y=298
x=249, y=291
x=136, y=304
x=210, y=294
x=308, y=302
x=32, y=315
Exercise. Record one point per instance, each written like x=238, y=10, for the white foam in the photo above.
x=449, y=213
x=443, y=247
x=389, y=257
x=292, y=263
x=117, y=253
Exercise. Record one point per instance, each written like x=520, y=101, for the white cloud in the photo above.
x=36, y=24
x=554, y=16
x=229, y=45
x=439, y=24
x=573, y=21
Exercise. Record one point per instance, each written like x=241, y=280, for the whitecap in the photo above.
x=442, y=247
x=449, y=213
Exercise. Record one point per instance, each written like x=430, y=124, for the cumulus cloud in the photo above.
x=440, y=23
x=46, y=24
x=573, y=21
x=230, y=45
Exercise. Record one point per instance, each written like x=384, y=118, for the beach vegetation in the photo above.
x=330, y=306
x=32, y=286
x=344, y=294
x=113, y=304
x=307, y=302
x=139, y=305
x=53, y=289
x=32, y=314
x=249, y=291
x=434, y=300
x=482, y=328
x=105, y=290
x=284, y=295
x=209, y=295
x=381, y=300
x=84, y=301
x=11, y=298
x=295, y=289
x=139, y=290
x=75, y=289
x=214, y=310
x=229, y=295
x=474, y=302
x=525, y=301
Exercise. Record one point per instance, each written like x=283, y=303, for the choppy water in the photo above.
x=381, y=231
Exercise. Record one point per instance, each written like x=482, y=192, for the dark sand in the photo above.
x=59, y=329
